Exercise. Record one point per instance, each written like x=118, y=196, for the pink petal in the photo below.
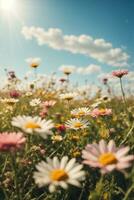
x=102, y=146
x=121, y=152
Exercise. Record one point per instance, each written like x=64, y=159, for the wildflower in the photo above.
x=101, y=112
x=120, y=73
x=33, y=62
x=33, y=125
x=60, y=127
x=62, y=80
x=35, y=102
x=67, y=70
x=107, y=157
x=14, y=94
x=68, y=96
x=11, y=75
x=77, y=124
x=11, y=141
x=28, y=94
x=57, y=138
x=9, y=101
x=48, y=104
x=43, y=113
x=58, y=173
x=80, y=112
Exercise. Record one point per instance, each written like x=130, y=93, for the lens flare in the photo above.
x=8, y=6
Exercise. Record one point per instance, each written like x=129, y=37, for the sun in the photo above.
x=8, y=6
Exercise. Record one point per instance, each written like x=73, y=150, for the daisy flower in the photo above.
x=68, y=96
x=35, y=102
x=100, y=112
x=107, y=157
x=120, y=73
x=58, y=173
x=80, y=112
x=33, y=62
x=33, y=125
x=77, y=124
x=67, y=70
x=9, y=101
x=11, y=141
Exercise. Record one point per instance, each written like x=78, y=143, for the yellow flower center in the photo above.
x=102, y=111
x=34, y=65
x=107, y=159
x=58, y=175
x=57, y=125
x=78, y=125
x=32, y=125
x=81, y=113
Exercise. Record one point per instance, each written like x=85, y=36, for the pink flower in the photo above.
x=48, y=104
x=60, y=127
x=14, y=94
x=11, y=141
x=120, y=73
x=107, y=157
x=43, y=113
x=100, y=112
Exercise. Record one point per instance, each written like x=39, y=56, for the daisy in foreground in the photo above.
x=107, y=157
x=11, y=141
x=59, y=173
x=77, y=124
x=33, y=125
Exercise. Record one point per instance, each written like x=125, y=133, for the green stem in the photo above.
x=128, y=134
x=124, y=98
x=14, y=168
x=128, y=192
x=4, y=167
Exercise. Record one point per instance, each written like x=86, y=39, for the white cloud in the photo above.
x=98, y=49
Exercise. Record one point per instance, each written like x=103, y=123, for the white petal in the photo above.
x=63, y=162
x=70, y=164
x=56, y=163
x=74, y=182
x=52, y=188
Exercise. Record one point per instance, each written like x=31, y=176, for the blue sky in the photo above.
x=106, y=19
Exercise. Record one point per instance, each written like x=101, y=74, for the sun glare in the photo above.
x=8, y=6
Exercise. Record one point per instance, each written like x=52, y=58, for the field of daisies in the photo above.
x=59, y=143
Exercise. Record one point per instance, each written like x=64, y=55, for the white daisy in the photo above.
x=68, y=96
x=80, y=112
x=35, y=102
x=67, y=69
x=77, y=124
x=58, y=173
x=33, y=125
x=9, y=101
x=33, y=62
